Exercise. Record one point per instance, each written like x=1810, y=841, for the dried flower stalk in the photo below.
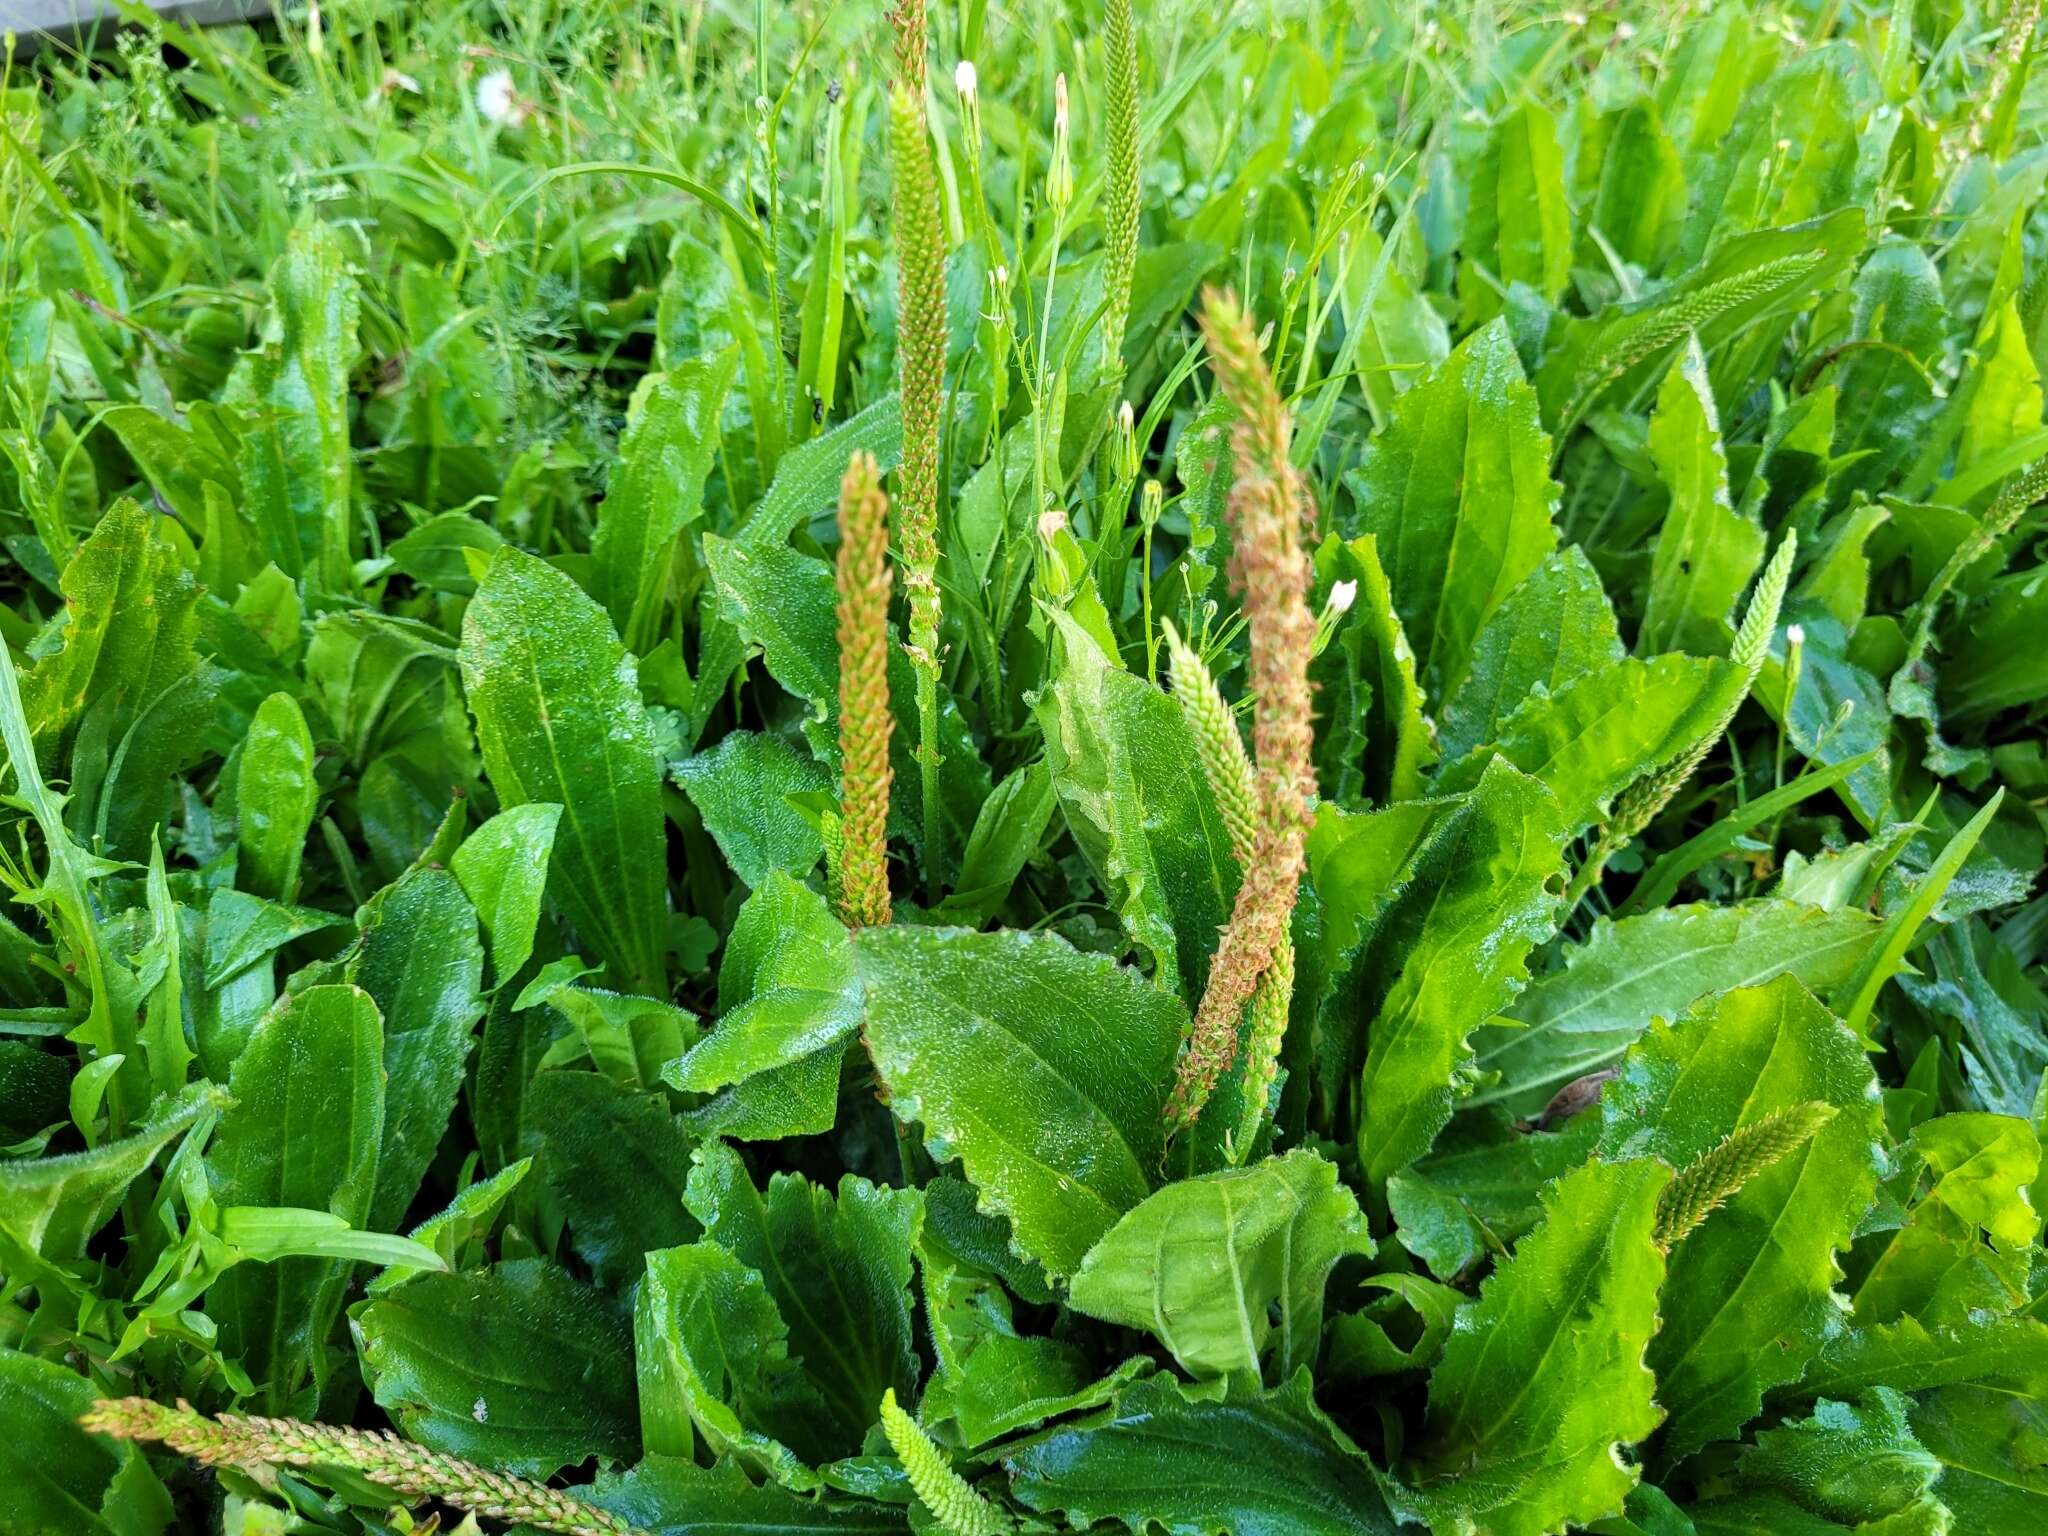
x=1271, y=570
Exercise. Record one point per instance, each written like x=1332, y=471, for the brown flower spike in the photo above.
x=1271, y=570
x=864, y=719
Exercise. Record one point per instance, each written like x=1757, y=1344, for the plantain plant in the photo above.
x=1089, y=767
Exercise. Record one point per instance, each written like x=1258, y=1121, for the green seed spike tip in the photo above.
x=957, y=1508
x=1120, y=181
x=1217, y=742
x=1709, y=1181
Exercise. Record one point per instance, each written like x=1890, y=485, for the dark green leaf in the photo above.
x=560, y=721
x=1204, y=1263
x=516, y=1366
x=1150, y=1465
x=1043, y=1070
x=304, y=1130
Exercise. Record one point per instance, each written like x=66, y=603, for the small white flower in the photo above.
x=1795, y=634
x=1342, y=596
x=965, y=80
x=495, y=97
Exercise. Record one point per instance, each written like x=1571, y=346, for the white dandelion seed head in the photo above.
x=495, y=97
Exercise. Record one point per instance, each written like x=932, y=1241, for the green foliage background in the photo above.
x=420, y=1004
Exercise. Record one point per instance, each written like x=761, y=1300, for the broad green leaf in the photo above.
x=838, y=1270
x=503, y=869
x=617, y=1160
x=1044, y=1070
x=1586, y=1013
x=1706, y=551
x=628, y=1039
x=1989, y=1445
x=517, y=1366
x=293, y=453
x=1518, y=225
x=1289, y=1471
x=657, y=490
x=1459, y=494
x=421, y=964
x=1889, y=403
x=438, y=554
x=1377, y=1341
x=1847, y=1461
x=1993, y=663
x=244, y=930
x=1553, y=628
x=672, y=1496
x=1130, y=781
x=1007, y=832
x=51, y=1206
x=707, y=1337
x=1478, y=1191
x=742, y=789
x=791, y=1004
x=1750, y=1297
x=122, y=690
x=1630, y=183
x=1908, y=1355
x=275, y=798
x=176, y=461
x=1011, y=1382
x=560, y=721
x=1595, y=735
x=1751, y=181
x=1205, y=1262
x=304, y=1131
x=1935, y=1266
x=1449, y=953
x=57, y=1480
x=1543, y=1383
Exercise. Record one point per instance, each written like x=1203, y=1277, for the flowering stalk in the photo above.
x=864, y=719
x=1270, y=569
x=1639, y=804
x=409, y=1471
x=956, y=1507
x=921, y=364
x=1231, y=780
x=1120, y=185
x=1631, y=338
